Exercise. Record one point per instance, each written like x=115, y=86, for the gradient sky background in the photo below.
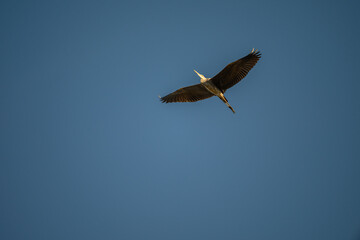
x=89, y=152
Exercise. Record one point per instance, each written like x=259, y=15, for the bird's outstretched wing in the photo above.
x=235, y=71
x=188, y=94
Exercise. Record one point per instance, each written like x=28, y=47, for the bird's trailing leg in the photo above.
x=223, y=98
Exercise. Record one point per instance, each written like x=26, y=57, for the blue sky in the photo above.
x=89, y=152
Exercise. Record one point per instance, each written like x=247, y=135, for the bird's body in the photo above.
x=210, y=86
x=217, y=85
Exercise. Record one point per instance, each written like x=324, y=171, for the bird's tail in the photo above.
x=223, y=98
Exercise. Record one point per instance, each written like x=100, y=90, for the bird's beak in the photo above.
x=201, y=76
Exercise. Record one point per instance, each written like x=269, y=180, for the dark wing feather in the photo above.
x=188, y=94
x=235, y=71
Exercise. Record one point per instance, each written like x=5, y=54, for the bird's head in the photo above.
x=203, y=79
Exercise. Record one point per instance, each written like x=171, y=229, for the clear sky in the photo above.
x=87, y=150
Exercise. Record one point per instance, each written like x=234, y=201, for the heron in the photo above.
x=216, y=86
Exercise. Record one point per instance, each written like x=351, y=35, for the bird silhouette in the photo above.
x=216, y=86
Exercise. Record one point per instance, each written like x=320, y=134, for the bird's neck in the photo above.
x=202, y=80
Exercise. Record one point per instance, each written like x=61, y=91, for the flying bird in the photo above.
x=216, y=86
